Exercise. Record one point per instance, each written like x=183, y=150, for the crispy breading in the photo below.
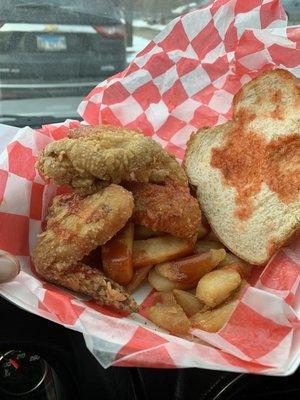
x=95, y=156
x=171, y=209
x=90, y=130
x=76, y=225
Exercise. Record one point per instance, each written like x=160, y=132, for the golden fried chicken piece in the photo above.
x=76, y=225
x=171, y=209
x=91, y=130
x=95, y=156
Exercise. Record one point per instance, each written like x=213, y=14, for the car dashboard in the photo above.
x=43, y=360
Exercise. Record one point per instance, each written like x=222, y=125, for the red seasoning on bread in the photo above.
x=247, y=171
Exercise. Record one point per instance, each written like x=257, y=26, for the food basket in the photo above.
x=184, y=79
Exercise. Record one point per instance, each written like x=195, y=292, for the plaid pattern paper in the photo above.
x=184, y=79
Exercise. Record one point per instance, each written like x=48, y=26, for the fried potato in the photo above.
x=231, y=261
x=159, y=249
x=171, y=318
x=213, y=320
x=142, y=232
x=216, y=286
x=188, y=302
x=161, y=283
x=167, y=314
x=117, y=256
x=189, y=270
x=237, y=293
x=138, y=278
x=205, y=245
x=165, y=298
x=202, y=246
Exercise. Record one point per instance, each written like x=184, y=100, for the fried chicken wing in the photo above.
x=94, y=130
x=76, y=225
x=171, y=209
x=95, y=156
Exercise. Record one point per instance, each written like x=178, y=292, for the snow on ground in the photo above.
x=138, y=23
x=139, y=44
x=182, y=9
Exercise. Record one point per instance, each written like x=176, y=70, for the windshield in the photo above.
x=93, y=6
x=53, y=52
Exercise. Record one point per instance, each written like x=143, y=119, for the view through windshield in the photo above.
x=53, y=52
x=11, y=8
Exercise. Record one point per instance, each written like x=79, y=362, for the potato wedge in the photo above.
x=170, y=317
x=167, y=314
x=231, y=261
x=188, y=302
x=142, y=232
x=117, y=256
x=216, y=286
x=166, y=298
x=138, y=278
x=161, y=283
x=189, y=270
x=237, y=293
x=159, y=249
x=205, y=245
x=213, y=320
x=202, y=246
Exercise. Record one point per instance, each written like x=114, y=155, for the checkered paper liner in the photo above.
x=184, y=79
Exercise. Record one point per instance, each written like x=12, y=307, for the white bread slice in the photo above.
x=247, y=171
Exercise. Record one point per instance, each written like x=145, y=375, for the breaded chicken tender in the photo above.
x=76, y=225
x=171, y=209
x=93, y=157
x=90, y=130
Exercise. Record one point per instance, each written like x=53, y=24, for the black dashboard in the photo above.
x=43, y=360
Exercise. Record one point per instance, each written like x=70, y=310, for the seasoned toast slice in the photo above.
x=247, y=171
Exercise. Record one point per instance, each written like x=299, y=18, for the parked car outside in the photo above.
x=292, y=8
x=58, y=47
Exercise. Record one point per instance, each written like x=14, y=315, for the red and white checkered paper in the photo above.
x=184, y=79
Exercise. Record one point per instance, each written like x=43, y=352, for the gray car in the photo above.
x=60, y=46
x=292, y=8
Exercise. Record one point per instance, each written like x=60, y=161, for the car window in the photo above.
x=53, y=52
x=10, y=7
